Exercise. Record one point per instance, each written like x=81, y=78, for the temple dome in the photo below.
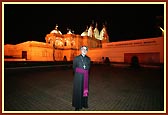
x=69, y=31
x=56, y=31
x=85, y=33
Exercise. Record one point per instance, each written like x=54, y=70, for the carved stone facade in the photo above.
x=71, y=41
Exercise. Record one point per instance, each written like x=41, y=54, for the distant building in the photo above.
x=56, y=48
x=59, y=46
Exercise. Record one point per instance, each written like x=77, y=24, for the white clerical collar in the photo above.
x=83, y=55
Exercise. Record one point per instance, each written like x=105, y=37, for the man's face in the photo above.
x=84, y=50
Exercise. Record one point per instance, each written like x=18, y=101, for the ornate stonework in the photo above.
x=89, y=38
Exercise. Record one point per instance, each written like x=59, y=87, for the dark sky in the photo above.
x=26, y=22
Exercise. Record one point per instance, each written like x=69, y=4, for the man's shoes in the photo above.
x=76, y=109
x=85, y=106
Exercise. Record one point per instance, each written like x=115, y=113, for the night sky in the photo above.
x=31, y=22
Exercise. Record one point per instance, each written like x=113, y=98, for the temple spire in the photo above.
x=90, y=30
x=56, y=27
x=96, y=32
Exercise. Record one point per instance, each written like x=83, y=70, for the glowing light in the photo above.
x=161, y=29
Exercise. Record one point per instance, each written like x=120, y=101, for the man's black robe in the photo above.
x=78, y=101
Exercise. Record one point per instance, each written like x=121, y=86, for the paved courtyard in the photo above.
x=111, y=89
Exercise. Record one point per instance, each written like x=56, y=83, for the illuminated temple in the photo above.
x=89, y=37
x=64, y=47
x=58, y=46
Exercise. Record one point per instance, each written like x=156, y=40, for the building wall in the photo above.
x=36, y=51
x=143, y=58
x=9, y=50
x=117, y=50
x=149, y=50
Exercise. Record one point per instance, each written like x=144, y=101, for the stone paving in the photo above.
x=111, y=89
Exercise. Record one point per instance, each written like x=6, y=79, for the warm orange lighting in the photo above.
x=59, y=46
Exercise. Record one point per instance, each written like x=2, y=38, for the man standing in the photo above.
x=81, y=66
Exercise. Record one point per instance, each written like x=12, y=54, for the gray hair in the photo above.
x=85, y=47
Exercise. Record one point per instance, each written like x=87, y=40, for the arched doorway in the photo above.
x=134, y=61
